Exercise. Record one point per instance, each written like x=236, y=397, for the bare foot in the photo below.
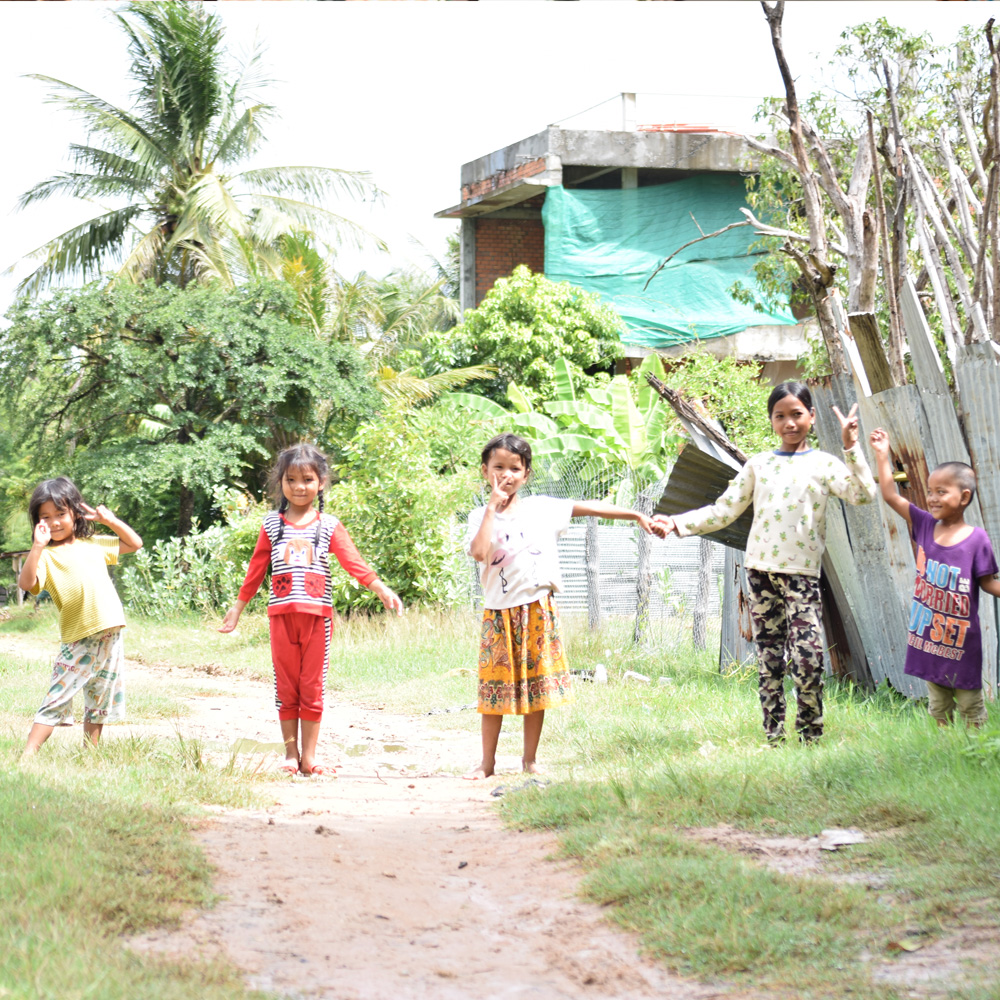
x=530, y=767
x=479, y=773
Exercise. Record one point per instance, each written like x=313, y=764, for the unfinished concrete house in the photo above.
x=602, y=209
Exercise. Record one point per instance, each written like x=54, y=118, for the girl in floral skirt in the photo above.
x=522, y=665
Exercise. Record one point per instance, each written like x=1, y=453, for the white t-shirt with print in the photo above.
x=523, y=561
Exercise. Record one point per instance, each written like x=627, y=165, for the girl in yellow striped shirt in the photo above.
x=71, y=563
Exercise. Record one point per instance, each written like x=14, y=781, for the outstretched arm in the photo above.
x=879, y=441
x=598, y=508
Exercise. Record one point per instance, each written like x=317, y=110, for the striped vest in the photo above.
x=300, y=566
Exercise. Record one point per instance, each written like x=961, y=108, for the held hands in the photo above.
x=390, y=599
x=848, y=426
x=666, y=523
x=652, y=525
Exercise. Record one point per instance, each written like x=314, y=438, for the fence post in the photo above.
x=592, y=563
x=643, y=576
x=700, y=624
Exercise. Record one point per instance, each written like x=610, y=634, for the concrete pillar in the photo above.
x=467, y=281
x=630, y=177
x=628, y=112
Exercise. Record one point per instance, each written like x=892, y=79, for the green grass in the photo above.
x=638, y=765
x=95, y=844
x=646, y=763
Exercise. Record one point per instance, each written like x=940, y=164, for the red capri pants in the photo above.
x=300, y=647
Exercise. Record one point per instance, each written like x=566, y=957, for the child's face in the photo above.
x=945, y=498
x=301, y=486
x=792, y=421
x=507, y=470
x=61, y=523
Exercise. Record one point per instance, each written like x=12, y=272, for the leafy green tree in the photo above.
x=153, y=396
x=400, y=510
x=730, y=392
x=522, y=326
x=182, y=210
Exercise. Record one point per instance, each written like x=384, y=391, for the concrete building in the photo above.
x=602, y=208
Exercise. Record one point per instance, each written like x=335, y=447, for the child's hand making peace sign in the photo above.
x=848, y=426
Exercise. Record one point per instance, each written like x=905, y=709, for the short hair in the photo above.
x=508, y=442
x=61, y=492
x=962, y=474
x=797, y=389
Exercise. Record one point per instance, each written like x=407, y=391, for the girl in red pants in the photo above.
x=295, y=543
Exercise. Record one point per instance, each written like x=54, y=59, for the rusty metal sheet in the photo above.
x=867, y=563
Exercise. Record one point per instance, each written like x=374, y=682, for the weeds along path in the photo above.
x=395, y=880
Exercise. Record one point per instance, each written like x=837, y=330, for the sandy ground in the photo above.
x=395, y=880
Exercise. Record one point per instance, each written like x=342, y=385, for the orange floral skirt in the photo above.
x=522, y=664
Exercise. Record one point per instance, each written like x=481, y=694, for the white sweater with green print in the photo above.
x=788, y=491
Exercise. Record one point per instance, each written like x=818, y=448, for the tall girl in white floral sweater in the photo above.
x=788, y=488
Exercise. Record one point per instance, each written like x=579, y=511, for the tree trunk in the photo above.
x=185, y=518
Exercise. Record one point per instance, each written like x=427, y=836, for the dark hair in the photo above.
x=797, y=389
x=964, y=475
x=63, y=493
x=508, y=442
x=298, y=456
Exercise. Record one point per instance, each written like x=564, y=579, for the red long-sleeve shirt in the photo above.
x=299, y=558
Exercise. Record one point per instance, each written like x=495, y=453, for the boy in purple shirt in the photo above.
x=954, y=561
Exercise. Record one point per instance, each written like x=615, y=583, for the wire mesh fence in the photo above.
x=612, y=571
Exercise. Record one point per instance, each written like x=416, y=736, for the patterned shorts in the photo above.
x=93, y=665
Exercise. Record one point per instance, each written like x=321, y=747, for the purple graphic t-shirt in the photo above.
x=945, y=644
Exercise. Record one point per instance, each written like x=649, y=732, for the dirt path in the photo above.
x=395, y=880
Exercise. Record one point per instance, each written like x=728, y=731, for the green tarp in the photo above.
x=611, y=241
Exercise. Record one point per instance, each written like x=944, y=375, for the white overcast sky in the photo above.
x=410, y=91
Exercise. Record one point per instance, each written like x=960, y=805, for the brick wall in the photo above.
x=502, y=244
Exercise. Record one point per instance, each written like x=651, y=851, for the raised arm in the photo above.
x=128, y=538
x=479, y=547
x=28, y=576
x=879, y=441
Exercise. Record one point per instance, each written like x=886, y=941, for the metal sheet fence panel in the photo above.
x=924, y=357
x=736, y=645
x=870, y=566
x=978, y=378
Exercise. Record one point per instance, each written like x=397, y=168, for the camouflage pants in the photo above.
x=785, y=611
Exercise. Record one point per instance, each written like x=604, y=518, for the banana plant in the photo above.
x=608, y=424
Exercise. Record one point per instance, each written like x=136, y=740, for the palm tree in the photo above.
x=175, y=209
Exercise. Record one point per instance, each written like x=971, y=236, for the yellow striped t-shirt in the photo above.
x=76, y=575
